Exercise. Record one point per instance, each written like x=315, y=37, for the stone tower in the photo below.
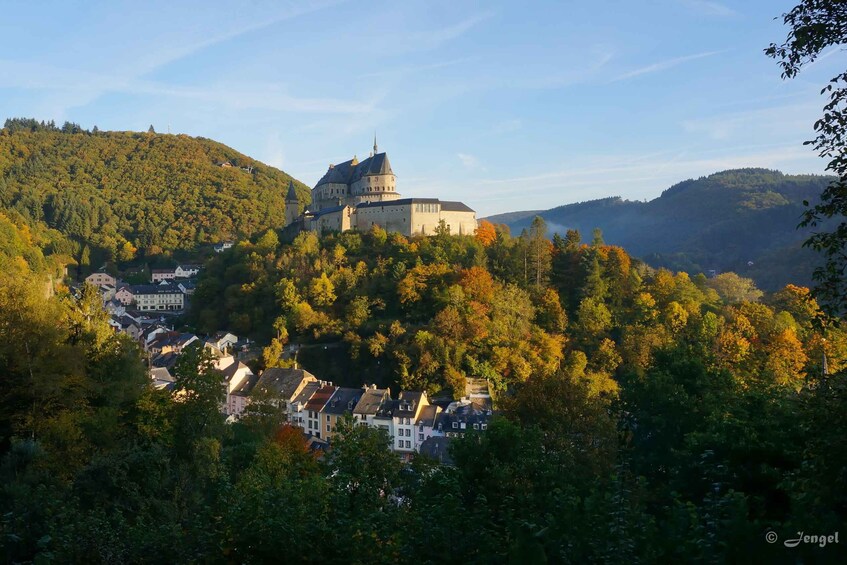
x=292, y=205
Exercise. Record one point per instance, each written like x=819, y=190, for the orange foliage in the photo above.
x=485, y=233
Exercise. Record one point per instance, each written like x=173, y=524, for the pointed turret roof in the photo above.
x=292, y=194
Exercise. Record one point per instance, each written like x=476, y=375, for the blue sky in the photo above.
x=504, y=105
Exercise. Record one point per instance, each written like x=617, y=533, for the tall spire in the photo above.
x=375, y=151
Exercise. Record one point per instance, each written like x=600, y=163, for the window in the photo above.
x=408, y=444
x=327, y=417
x=476, y=426
x=484, y=426
x=328, y=428
x=455, y=425
x=420, y=437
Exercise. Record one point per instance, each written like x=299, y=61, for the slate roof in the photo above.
x=349, y=172
x=233, y=368
x=371, y=401
x=306, y=394
x=407, y=404
x=343, y=400
x=246, y=385
x=165, y=360
x=329, y=210
x=427, y=416
x=437, y=448
x=468, y=414
x=454, y=207
x=292, y=194
x=142, y=289
x=284, y=381
x=399, y=202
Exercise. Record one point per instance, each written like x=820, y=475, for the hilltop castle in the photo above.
x=360, y=194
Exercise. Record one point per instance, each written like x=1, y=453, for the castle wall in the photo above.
x=390, y=218
x=460, y=223
x=339, y=221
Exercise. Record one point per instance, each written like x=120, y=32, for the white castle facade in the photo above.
x=360, y=194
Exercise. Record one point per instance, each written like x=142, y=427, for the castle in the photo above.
x=360, y=194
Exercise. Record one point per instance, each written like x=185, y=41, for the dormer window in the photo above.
x=455, y=425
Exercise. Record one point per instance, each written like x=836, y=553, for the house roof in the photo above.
x=320, y=398
x=165, y=360
x=427, y=416
x=284, y=381
x=246, y=386
x=343, y=400
x=306, y=394
x=437, y=448
x=407, y=404
x=142, y=289
x=232, y=368
x=371, y=401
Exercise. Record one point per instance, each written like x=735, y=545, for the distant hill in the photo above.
x=723, y=222
x=115, y=195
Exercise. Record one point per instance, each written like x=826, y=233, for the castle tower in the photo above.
x=292, y=205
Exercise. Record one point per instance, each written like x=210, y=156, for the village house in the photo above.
x=234, y=376
x=342, y=402
x=374, y=409
x=284, y=385
x=159, y=275
x=100, y=278
x=313, y=409
x=124, y=294
x=425, y=424
x=407, y=408
x=186, y=271
x=223, y=246
x=297, y=407
x=223, y=341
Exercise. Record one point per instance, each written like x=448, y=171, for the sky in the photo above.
x=503, y=105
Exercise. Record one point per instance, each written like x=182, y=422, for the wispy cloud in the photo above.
x=709, y=8
x=434, y=38
x=665, y=65
x=470, y=162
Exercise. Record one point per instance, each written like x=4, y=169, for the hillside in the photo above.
x=722, y=222
x=121, y=194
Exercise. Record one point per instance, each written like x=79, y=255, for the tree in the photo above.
x=734, y=289
x=815, y=25
x=485, y=233
x=540, y=251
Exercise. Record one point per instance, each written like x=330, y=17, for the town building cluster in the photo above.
x=414, y=422
x=167, y=292
x=356, y=195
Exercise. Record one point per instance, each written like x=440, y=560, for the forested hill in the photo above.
x=721, y=222
x=124, y=193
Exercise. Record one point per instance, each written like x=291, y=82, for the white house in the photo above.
x=234, y=376
x=158, y=297
x=223, y=246
x=407, y=407
x=186, y=271
x=374, y=409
